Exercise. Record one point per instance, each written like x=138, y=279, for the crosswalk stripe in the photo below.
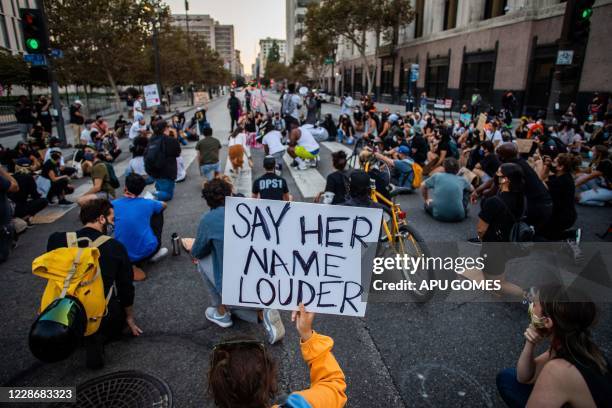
x=335, y=146
x=51, y=214
x=309, y=181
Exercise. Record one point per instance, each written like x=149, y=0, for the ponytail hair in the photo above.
x=573, y=316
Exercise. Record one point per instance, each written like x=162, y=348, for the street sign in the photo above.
x=565, y=57
x=414, y=72
x=151, y=95
x=329, y=61
x=35, y=59
x=57, y=53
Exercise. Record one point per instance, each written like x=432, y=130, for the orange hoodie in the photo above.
x=327, y=383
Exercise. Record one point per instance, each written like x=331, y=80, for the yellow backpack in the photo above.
x=418, y=175
x=75, y=271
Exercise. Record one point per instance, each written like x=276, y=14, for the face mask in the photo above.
x=109, y=229
x=88, y=156
x=537, y=322
x=411, y=132
x=590, y=154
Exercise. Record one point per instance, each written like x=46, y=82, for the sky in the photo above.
x=252, y=20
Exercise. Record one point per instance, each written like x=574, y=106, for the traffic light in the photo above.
x=35, y=39
x=581, y=21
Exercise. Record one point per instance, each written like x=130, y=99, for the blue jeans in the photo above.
x=209, y=170
x=513, y=393
x=165, y=189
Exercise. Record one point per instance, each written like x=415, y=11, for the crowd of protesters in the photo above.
x=530, y=171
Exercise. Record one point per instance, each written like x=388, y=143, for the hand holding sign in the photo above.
x=280, y=254
x=303, y=322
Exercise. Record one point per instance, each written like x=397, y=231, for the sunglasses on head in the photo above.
x=239, y=343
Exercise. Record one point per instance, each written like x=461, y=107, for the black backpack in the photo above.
x=154, y=156
x=112, y=177
x=520, y=233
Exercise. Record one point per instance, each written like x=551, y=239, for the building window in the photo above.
x=347, y=80
x=540, y=76
x=4, y=38
x=358, y=80
x=386, y=78
x=478, y=76
x=419, y=10
x=494, y=8
x=450, y=14
x=436, y=78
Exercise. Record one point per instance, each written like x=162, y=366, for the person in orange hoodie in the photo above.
x=242, y=373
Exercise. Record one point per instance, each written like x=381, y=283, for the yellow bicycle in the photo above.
x=401, y=238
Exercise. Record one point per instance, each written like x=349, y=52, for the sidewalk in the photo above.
x=9, y=141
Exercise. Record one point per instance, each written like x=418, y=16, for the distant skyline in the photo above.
x=252, y=21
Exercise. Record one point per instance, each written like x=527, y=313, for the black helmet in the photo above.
x=58, y=330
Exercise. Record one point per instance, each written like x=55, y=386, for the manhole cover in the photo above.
x=123, y=389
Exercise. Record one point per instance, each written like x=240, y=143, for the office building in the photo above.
x=486, y=45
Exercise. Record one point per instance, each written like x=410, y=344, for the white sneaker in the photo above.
x=159, y=254
x=149, y=196
x=273, y=324
x=213, y=315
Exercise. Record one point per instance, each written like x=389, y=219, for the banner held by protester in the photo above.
x=278, y=254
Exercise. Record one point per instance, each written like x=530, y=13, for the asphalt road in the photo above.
x=444, y=353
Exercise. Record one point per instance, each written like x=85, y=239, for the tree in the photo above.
x=274, y=53
x=351, y=20
x=102, y=40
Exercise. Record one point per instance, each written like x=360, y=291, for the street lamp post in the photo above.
x=161, y=108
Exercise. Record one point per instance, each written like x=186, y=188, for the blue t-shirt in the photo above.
x=447, y=195
x=133, y=225
x=403, y=172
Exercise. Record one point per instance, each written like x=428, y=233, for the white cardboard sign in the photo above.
x=151, y=95
x=277, y=254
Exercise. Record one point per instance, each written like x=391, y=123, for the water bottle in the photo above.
x=176, y=245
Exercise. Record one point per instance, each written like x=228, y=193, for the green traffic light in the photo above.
x=586, y=13
x=33, y=43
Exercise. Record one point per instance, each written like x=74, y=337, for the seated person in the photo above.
x=54, y=145
x=101, y=182
x=138, y=225
x=24, y=151
x=273, y=144
x=7, y=239
x=116, y=270
x=337, y=182
x=402, y=174
x=136, y=163
x=86, y=157
x=60, y=184
x=271, y=186
x=450, y=193
x=595, y=187
x=28, y=200
x=359, y=191
x=573, y=371
x=487, y=166
x=381, y=179
x=236, y=366
x=302, y=146
x=209, y=242
x=110, y=143
x=119, y=127
x=138, y=128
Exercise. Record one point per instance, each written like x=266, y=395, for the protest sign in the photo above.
x=482, y=120
x=201, y=99
x=524, y=145
x=151, y=95
x=277, y=254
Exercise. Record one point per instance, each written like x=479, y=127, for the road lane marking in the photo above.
x=309, y=181
x=53, y=213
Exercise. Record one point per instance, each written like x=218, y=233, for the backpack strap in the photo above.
x=71, y=240
x=99, y=241
x=71, y=272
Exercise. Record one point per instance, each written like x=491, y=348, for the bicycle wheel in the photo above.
x=409, y=242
